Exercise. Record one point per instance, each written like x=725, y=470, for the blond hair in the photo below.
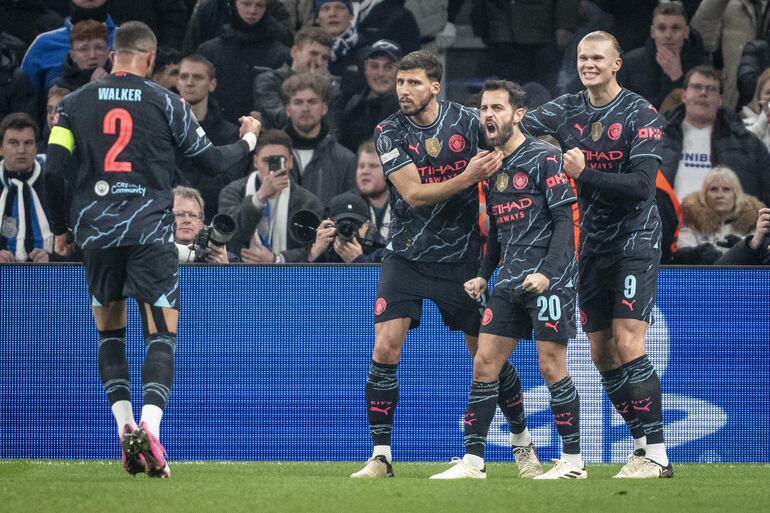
x=722, y=175
x=600, y=35
x=761, y=81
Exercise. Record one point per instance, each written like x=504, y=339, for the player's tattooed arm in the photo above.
x=407, y=180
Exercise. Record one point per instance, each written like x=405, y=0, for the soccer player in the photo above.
x=122, y=131
x=428, y=153
x=529, y=206
x=613, y=139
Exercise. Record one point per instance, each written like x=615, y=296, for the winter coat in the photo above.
x=732, y=145
x=742, y=254
x=210, y=18
x=167, y=18
x=268, y=98
x=73, y=78
x=235, y=54
x=758, y=126
x=431, y=16
x=27, y=19
x=643, y=75
x=530, y=22
x=705, y=235
x=755, y=58
x=331, y=171
x=16, y=92
x=729, y=25
x=44, y=60
x=220, y=132
x=390, y=20
x=234, y=201
x=362, y=114
x=301, y=13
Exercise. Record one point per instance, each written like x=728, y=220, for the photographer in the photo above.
x=264, y=202
x=188, y=211
x=346, y=235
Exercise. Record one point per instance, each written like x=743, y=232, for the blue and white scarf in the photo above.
x=14, y=226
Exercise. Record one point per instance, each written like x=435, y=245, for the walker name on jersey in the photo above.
x=120, y=94
x=432, y=174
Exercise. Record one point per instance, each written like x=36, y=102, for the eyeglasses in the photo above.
x=699, y=88
x=183, y=214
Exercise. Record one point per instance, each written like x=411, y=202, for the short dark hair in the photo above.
x=134, y=36
x=165, y=57
x=670, y=9
x=200, y=59
x=57, y=91
x=17, y=121
x=425, y=61
x=515, y=94
x=708, y=71
x=313, y=35
x=301, y=81
x=273, y=136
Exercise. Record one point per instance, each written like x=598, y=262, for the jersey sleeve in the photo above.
x=646, y=135
x=554, y=183
x=544, y=120
x=188, y=135
x=390, y=148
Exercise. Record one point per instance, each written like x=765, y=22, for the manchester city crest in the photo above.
x=433, y=146
x=502, y=182
x=596, y=131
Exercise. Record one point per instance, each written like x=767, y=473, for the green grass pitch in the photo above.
x=228, y=487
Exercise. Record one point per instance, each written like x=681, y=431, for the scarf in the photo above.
x=345, y=42
x=13, y=208
x=275, y=224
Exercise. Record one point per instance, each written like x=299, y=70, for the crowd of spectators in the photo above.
x=321, y=74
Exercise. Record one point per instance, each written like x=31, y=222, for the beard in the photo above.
x=415, y=109
x=501, y=135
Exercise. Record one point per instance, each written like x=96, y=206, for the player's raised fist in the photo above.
x=249, y=125
x=574, y=162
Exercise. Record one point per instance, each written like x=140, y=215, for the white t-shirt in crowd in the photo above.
x=696, y=159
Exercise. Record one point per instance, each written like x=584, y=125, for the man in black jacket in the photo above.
x=250, y=41
x=197, y=79
x=310, y=53
x=264, y=204
x=701, y=134
x=321, y=164
x=672, y=50
x=377, y=100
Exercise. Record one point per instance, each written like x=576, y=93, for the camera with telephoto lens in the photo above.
x=347, y=229
x=218, y=233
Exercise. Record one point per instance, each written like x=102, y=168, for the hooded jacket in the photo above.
x=16, y=93
x=235, y=54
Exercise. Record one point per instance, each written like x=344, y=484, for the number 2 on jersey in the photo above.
x=114, y=118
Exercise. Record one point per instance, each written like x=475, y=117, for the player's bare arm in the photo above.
x=418, y=194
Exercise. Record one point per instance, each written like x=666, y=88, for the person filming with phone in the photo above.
x=263, y=203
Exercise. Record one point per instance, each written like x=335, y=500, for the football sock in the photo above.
x=113, y=366
x=158, y=369
x=474, y=461
x=382, y=450
x=482, y=403
x=618, y=389
x=565, y=406
x=381, y=400
x=151, y=416
x=123, y=413
x=511, y=399
x=522, y=439
x=657, y=453
x=646, y=402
